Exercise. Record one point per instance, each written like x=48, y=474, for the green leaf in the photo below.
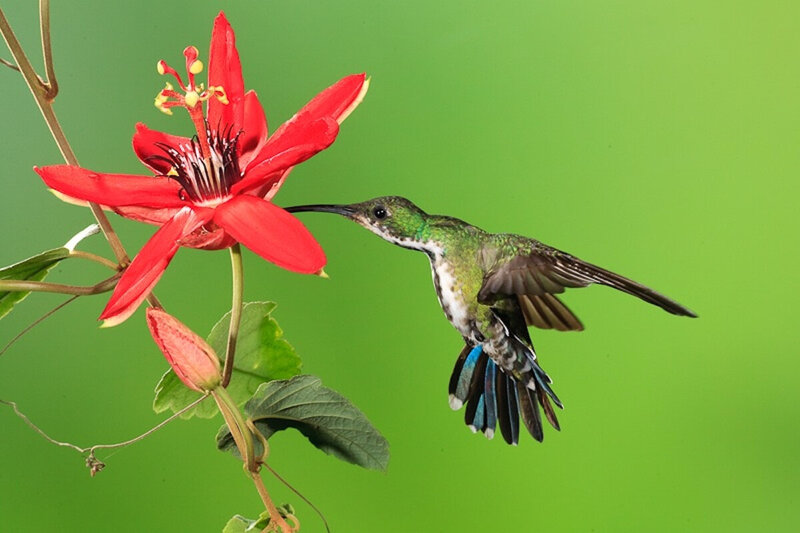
x=325, y=417
x=36, y=268
x=32, y=269
x=261, y=355
x=240, y=524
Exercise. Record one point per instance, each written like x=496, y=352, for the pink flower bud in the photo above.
x=192, y=359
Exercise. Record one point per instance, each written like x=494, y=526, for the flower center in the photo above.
x=205, y=180
x=208, y=165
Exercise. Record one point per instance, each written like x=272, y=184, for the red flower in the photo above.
x=214, y=189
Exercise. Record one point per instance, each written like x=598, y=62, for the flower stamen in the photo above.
x=192, y=97
x=205, y=180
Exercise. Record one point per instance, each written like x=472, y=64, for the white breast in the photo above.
x=450, y=296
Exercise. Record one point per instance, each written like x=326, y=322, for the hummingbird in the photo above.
x=491, y=287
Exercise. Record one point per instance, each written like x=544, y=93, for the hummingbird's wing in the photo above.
x=548, y=312
x=539, y=271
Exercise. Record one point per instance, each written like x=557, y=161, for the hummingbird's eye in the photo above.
x=379, y=212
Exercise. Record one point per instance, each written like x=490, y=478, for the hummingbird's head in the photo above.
x=393, y=218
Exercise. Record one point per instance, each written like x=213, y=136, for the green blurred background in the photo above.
x=658, y=139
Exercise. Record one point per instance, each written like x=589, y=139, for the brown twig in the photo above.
x=41, y=94
x=276, y=518
x=9, y=64
x=92, y=462
x=299, y=494
x=47, y=51
x=36, y=322
x=14, y=285
x=44, y=92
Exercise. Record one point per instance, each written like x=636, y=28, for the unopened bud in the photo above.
x=192, y=359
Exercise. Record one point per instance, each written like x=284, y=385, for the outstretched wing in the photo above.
x=539, y=271
x=548, y=312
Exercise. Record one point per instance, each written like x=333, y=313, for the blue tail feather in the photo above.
x=479, y=421
x=513, y=409
x=493, y=397
x=460, y=389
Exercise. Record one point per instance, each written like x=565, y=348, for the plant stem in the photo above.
x=243, y=437
x=44, y=96
x=47, y=50
x=300, y=495
x=14, y=285
x=9, y=64
x=274, y=514
x=94, y=257
x=36, y=322
x=91, y=460
x=236, y=423
x=44, y=93
x=237, y=272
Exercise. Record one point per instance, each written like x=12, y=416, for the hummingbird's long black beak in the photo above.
x=344, y=210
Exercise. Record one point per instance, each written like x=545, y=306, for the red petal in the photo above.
x=338, y=100
x=225, y=69
x=272, y=233
x=145, y=143
x=296, y=141
x=255, y=131
x=272, y=187
x=147, y=267
x=111, y=189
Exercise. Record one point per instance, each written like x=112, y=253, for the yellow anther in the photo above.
x=169, y=87
x=159, y=102
x=196, y=67
x=172, y=172
x=219, y=93
x=160, y=68
x=191, y=98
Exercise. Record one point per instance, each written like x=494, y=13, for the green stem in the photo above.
x=243, y=437
x=14, y=285
x=238, y=426
x=237, y=272
x=94, y=257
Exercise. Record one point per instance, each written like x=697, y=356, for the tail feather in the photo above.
x=490, y=400
x=461, y=378
x=475, y=394
x=494, y=398
x=544, y=401
x=504, y=412
x=513, y=409
x=530, y=412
